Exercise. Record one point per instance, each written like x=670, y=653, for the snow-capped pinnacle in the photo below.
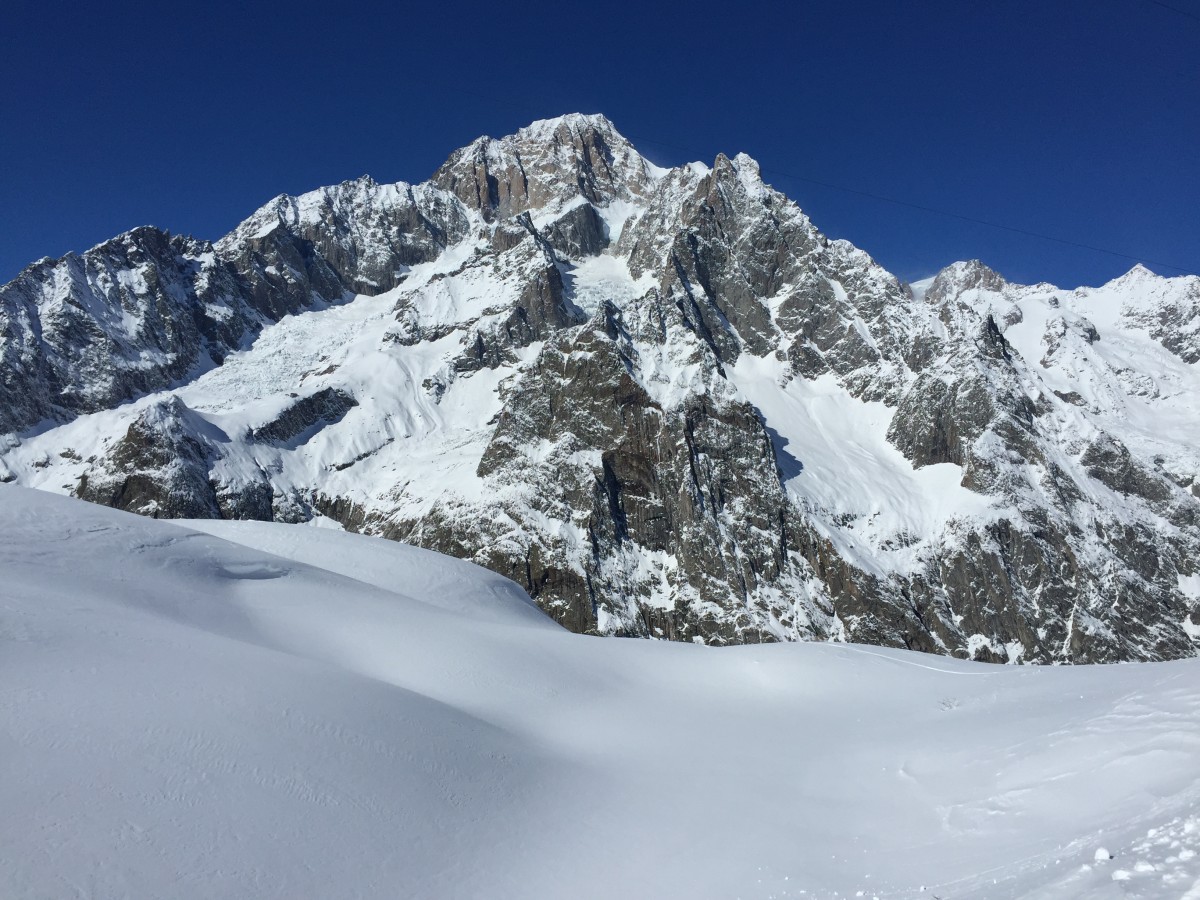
x=972, y=272
x=744, y=169
x=362, y=182
x=543, y=134
x=747, y=165
x=544, y=129
x=547, y=165
x=133, y=237
x=355, y=203
x=963, y=276
x=1139, y=274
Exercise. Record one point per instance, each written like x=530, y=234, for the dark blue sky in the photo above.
x=1073, y=118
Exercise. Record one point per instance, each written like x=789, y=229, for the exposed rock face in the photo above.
x=128, y=317
x=326, y=407
x=545, y=167
x=358, y=238
x=683, y=499
x=159, y=468
x=661, y=401
x=145, y=310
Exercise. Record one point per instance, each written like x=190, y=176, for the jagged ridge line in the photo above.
x=931, y=209
x=699, y=154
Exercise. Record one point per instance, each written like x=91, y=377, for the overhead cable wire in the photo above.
x=1175, y=9
x=941, y=212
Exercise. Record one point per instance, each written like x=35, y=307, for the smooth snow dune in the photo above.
x=281, y=711
x=420, y=574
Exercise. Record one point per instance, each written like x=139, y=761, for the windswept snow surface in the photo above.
x=267, y=710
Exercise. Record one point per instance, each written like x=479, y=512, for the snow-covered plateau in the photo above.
x=660, y=400
x=254, y=710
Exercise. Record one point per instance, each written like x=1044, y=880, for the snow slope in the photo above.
x=563, y=363
x=837, y=457
x=266, y=710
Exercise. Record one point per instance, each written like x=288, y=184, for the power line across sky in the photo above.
x=941, y=212
x=1055, y=141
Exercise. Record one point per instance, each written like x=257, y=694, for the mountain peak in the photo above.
x=744, y=169
x=961, y=276
x=1138, y=274
x=547, y=164
x=577, y=122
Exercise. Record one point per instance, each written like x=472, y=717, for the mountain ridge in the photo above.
x=661, y=400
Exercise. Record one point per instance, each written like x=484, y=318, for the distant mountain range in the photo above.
x=660, y=400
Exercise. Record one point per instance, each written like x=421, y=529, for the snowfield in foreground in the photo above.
x=267, y=710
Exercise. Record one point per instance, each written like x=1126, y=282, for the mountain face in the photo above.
x=660, y=400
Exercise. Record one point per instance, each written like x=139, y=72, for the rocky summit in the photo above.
x=660, y=400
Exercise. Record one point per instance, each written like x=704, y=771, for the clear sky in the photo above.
x=1078, y=119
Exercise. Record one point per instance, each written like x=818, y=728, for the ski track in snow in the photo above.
x=267, y=710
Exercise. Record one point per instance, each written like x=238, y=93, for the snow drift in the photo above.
x=268, y=710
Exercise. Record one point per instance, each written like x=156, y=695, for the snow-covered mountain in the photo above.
x=659, y=400
x=274, y=711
